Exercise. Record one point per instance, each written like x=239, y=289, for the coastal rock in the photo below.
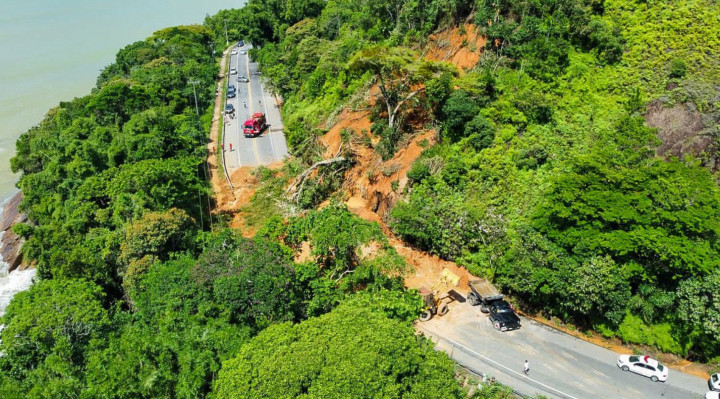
x=11, y=243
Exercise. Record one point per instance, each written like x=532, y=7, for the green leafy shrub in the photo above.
x=458, y=110
x=678, y=68
x=303, y=359
x=480, y=131
x=634, y=330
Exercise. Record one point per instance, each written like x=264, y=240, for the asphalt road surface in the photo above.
x=270, y=146
x=561, y=366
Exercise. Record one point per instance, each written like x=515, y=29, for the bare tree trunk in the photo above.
x=392, y=116
x=297, y=185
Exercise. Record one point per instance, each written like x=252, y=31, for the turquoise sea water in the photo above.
x=53, y=50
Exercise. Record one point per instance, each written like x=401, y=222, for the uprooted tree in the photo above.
x=399, y=73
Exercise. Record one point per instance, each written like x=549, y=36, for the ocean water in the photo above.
x=53, y=50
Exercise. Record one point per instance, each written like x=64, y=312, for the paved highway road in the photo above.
x=561, y=366
x=251, y=97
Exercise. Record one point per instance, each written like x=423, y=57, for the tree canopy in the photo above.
x=349, y=352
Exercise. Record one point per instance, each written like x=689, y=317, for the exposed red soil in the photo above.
x=370, y=194
x=369, y=184
x=462, y=49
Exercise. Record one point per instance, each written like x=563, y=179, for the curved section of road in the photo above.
x=561, y=366
x=251, y=97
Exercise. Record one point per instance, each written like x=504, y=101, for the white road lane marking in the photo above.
x=262, y=93
x=518, y=373
x=250, y=107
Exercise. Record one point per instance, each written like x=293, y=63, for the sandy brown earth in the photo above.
x=461, y=46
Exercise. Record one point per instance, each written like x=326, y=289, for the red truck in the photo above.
x=255, y=125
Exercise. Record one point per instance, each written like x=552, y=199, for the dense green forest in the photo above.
x=143, y=294
x=547, y=178
x=565, y=200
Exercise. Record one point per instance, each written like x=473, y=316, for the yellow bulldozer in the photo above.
x=439, y=295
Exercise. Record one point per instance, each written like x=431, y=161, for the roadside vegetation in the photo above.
x=547, y=178
x=576, y=162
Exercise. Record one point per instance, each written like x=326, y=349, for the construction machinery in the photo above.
x=439, y=295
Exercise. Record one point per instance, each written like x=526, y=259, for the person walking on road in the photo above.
x=230, y=147
x=244, y=104
x=526, y=368
x=222, y=147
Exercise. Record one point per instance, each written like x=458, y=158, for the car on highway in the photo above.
x=643, y=365
x=233, y=71
x=714, y=382
x=234, y=51
x=712, y=395
x=242, y=79
x=243, y=52
x=229, y=109
x=241, y=43
x=503, y=316
x=231, y=94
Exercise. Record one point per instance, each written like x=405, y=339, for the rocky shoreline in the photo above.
x=11, y=243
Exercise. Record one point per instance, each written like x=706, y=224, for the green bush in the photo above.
x=480, y=131
x=418, y=171
x=678, y=68
x=458, y=110
x=633, y=330
x=387, y=358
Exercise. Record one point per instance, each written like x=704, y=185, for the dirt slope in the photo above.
x=461, y=46
x=369, y=184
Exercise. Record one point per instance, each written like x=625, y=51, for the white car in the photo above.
x=643, y=365
x=714, y=382
x=712, y=395
x=233, y=71
x=243, y=52
x=234, y=51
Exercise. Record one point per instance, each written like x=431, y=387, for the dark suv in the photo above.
x=503, y=317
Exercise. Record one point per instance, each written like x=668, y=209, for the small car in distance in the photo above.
x=243, y=52
x=233, y=71
x=242, y=79
x=229, y=109
x=714, y=382
x=231, y=91
x=240, y=43
x=643, y=365
x=234, y=51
